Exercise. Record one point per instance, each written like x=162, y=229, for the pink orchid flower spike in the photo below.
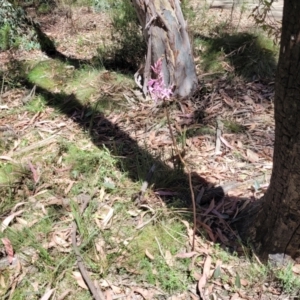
x=157, y=88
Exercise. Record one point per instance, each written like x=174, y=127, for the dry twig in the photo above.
x=39, y=144
x=97, y=294
x=2, y=88
x=189, y=175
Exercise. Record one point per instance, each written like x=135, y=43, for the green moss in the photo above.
x=203, y=130
x=38, y=104
x=83, y=83
x=49, y=74
x=233, y=126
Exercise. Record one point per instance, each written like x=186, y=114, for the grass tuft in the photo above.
x=233, y=127
x=288, y=280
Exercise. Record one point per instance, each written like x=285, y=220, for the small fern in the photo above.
x=5, y=42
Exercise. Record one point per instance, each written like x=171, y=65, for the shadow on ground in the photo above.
x=250, y=56
x=124, y=59
x=104, y=133
x=133, y=160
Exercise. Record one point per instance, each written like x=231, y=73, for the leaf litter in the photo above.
x=241, y=165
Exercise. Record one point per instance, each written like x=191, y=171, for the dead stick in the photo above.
x=39, y=144
x=189, y=175
x=222, y=190
x=2, y=87
x=218, y=136
x=97, y=294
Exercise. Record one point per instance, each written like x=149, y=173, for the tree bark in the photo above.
x=273, y=224
x=165, y=32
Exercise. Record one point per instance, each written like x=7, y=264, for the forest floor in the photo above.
x=78, y=139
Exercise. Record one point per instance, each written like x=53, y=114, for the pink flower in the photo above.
x=157, y=87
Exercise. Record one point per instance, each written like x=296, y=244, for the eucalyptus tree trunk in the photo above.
x=273, y=224
x=165, y=32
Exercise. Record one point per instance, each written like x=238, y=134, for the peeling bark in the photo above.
x=273, y=225
x=165, y=32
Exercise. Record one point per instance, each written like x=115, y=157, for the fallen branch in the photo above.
x=218, y=136
x=40, y=144
x=97, y=294
x=220, y=191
